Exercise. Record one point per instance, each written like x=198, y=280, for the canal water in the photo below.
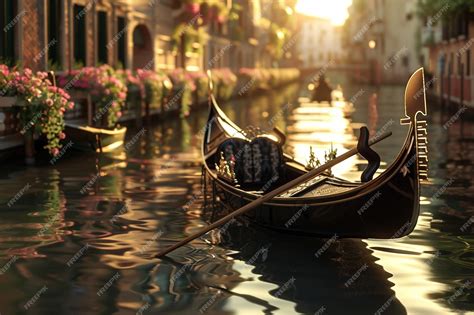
x=79, y=236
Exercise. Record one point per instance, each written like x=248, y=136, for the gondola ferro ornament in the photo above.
x=225, y=169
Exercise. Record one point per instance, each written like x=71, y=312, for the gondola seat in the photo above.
x=258, y=164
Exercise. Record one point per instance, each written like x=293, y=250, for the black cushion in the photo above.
x=258, y=163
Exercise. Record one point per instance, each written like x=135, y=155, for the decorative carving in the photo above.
x=415, y=105
x=422, y=146
x=313, y=161
x=225, y=169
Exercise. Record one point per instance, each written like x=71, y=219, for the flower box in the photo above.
x=8, y=101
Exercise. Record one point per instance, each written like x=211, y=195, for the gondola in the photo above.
x=241, y=167
x=87, y=138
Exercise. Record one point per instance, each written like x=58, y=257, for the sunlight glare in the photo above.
x=334, y=10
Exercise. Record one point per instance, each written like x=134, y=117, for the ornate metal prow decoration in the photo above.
x=415, y=104
x=225, y=169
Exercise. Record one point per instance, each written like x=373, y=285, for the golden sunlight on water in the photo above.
x=146, y=199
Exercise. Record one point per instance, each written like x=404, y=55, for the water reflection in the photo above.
x=86, y=224
x=316, y=274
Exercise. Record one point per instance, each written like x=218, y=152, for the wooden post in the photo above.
x=138, y=113
x=29, y=148
x=147, y=112
x=89, y=110
x=442, y=90
x=29, y=142
x=461, y=99
x=450, y=71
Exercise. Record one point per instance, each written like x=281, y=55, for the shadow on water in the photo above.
x=80, y=236
x=317, y=275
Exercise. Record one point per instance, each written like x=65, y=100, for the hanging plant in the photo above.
x=201, y=82
x=221, y=12
x=44, y=103
x=106, y=87
x=157, y=86
x=183, y=89
x=192, y=8
x=205, y=12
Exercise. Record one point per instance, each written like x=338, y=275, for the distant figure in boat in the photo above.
x=322, y=92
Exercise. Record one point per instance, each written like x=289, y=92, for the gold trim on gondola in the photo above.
x=422, y=145
x=225, y=169
x=415, y=105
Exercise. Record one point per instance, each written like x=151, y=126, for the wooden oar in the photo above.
x=279, y=190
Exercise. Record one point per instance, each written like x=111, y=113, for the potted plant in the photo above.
x=182, y=96
x=108, y=91
x=41, y=106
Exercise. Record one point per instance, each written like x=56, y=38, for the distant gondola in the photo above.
x=242, y=169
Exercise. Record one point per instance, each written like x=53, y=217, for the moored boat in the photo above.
x=241, y=169
x=99, y=140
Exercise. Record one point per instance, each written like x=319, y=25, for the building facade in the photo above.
x=63, y=34
x=319, y=41
x=385, y=36
x=67, y=34
x=450, y=46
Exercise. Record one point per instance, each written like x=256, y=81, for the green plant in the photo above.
x=106, y=87
x=43, y=104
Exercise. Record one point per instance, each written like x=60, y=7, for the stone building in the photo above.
x=62, y=34
x=450, y=46
x=319, y=41
x=65, y=34
x=385, y=36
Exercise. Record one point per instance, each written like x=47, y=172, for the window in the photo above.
x=79, y=34
x=102, y=38
x=8, y=21
x=54, y=35
x=122, y=41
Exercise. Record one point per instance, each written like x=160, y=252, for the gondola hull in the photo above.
x=384, y=207
x=98, y=140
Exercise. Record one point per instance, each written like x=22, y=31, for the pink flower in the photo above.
x=49, y=102
x=114, y=104
x=122, y=95
x=107, y=92
x=62, y=135
x=70, y=105
x=55, y=151
x=118, y=114
x=4, y=70
x=28, y=72
x=42, y=75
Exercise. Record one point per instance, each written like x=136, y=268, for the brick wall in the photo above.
x=33, y=34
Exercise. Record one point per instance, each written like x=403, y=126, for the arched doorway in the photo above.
x=142, y=48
